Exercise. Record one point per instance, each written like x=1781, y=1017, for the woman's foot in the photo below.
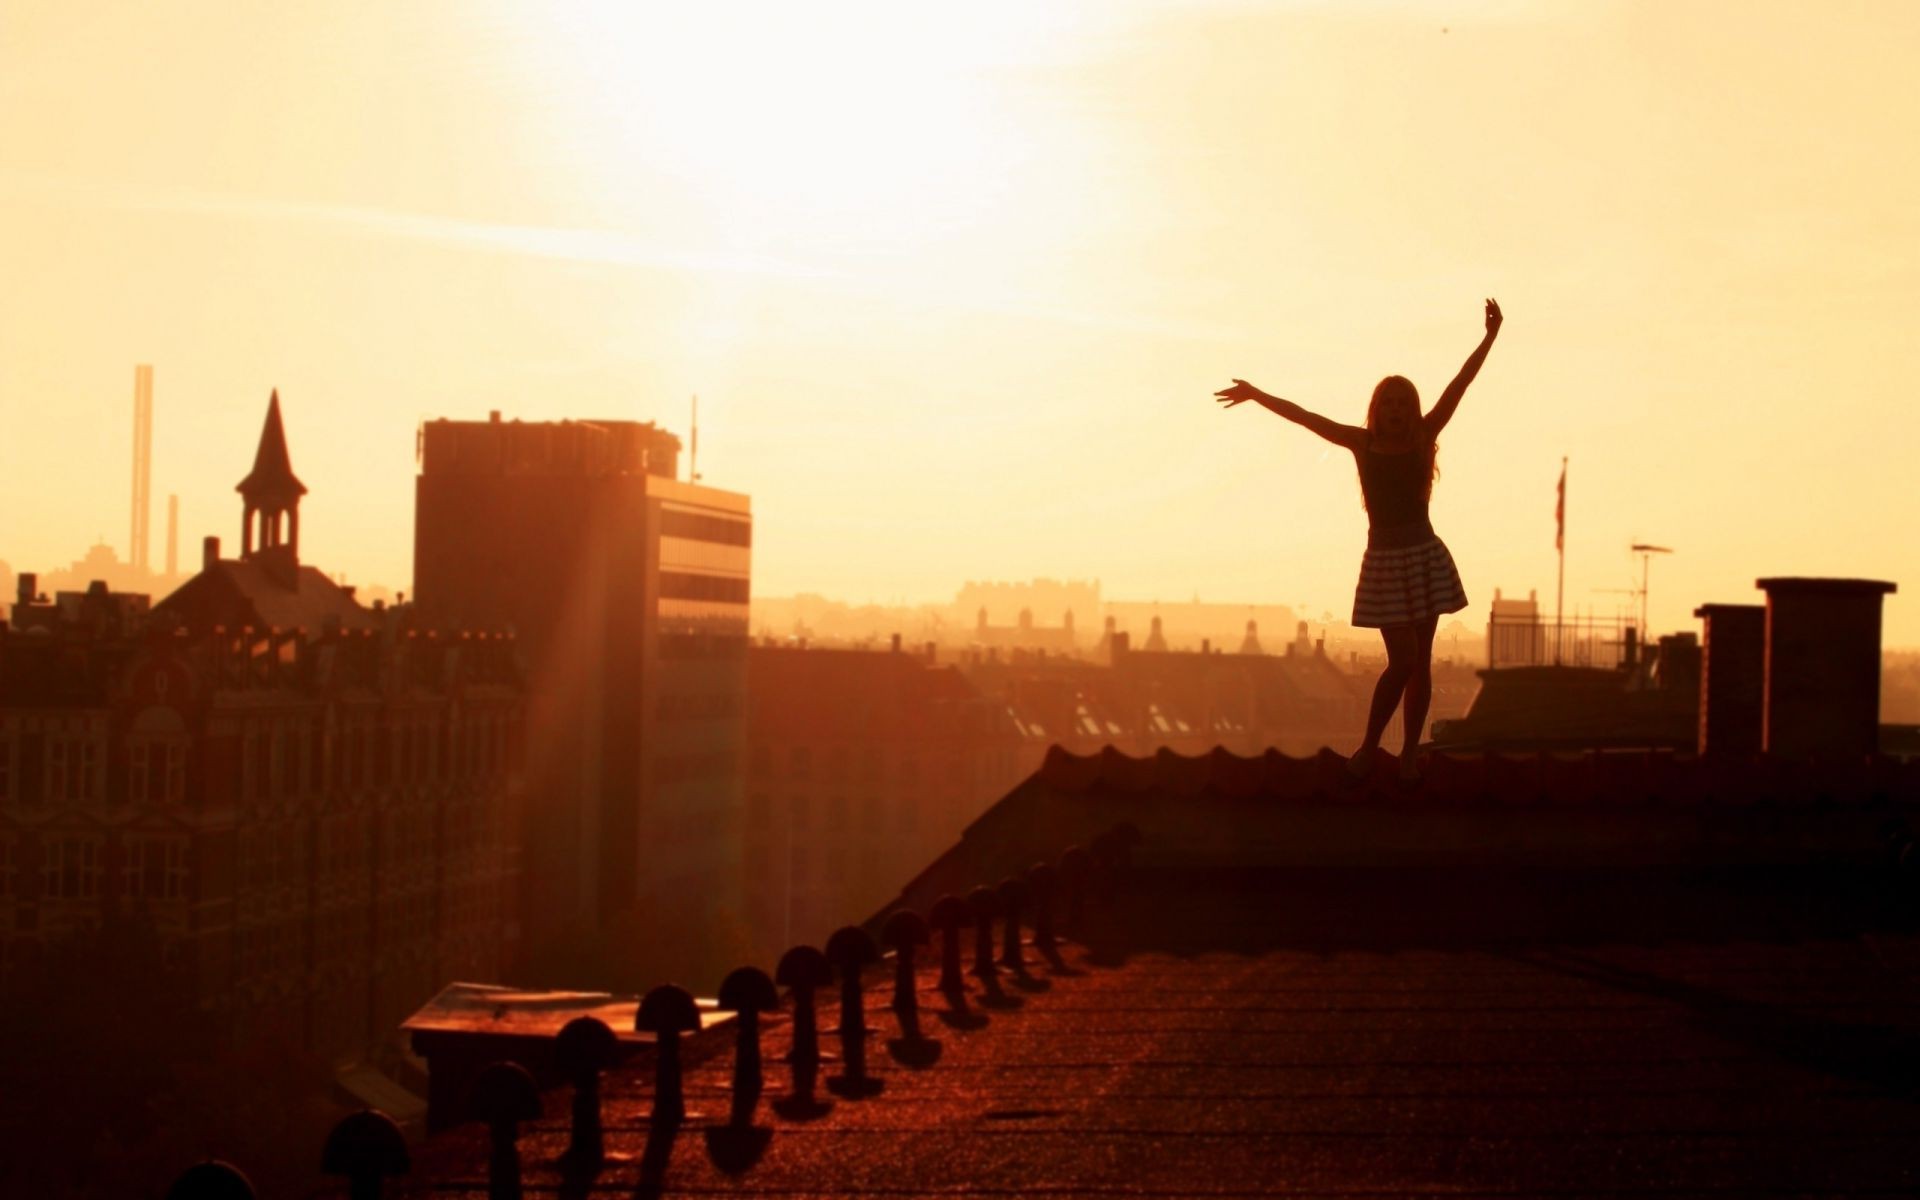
x=1410, y=775
x=1360, y=765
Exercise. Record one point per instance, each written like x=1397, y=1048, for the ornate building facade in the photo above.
x=316, y=805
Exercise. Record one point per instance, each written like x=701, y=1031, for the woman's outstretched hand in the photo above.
x=1240, y=392
x=1493, y=316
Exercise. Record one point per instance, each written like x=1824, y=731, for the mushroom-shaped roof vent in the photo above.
x=211, y=1180
x=904, y=929
x=803, y=967
x=747, y=989
x=851, y=948
x=1012, y=892
x=1041, y=878
x=983, y=902
x=1106, y=847
x=365, y=1143
x=1075, y=861
x=503, y=1092
x=949, y=911
x=583, y=1045
x=668, y=1008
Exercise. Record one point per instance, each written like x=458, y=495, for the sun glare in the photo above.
x=848, y=123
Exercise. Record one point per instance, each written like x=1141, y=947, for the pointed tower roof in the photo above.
x=272, y=483
x=1251, y=643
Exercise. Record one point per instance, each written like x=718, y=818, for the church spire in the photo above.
x=270, y=520
x=272, y=484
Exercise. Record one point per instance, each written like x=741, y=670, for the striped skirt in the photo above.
x=1404, y=585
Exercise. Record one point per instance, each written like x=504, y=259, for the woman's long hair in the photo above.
x=1398, y=389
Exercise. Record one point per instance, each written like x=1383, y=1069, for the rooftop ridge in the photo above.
x=1555, y=778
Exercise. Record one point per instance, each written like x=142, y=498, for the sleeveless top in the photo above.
x=1395, y=488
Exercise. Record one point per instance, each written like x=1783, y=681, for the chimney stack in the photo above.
x=173, y=536
x=1822, y=678
x=209, y=553
x=142, y=463
x=26, y=586
x=1679, y=663
x=1733, y=658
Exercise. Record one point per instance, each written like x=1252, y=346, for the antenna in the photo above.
x=693, y=455
x=1646, y=554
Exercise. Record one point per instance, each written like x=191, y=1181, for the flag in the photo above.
x=1560, y=511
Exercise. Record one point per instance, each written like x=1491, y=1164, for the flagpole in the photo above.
x=1560, y=588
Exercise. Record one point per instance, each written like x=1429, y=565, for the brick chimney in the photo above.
x=1732, y=672
x=1822, y=677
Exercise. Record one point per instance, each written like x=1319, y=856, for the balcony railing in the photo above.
x=1529, y=641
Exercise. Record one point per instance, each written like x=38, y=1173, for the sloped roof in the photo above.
x=1275, y=812
x=815, y=695
x=1317, y=680
x=1288, y=683
x=235, y=593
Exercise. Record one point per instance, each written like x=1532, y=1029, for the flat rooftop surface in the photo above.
x=1352, y=1035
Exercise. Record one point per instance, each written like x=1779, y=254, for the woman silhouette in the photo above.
x=1407, y=578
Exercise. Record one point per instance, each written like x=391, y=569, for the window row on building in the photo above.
x=67, y=759
x=93, y=866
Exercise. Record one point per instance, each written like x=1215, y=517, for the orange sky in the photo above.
x=954, y=290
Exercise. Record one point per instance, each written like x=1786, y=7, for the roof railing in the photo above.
x=367, y=1148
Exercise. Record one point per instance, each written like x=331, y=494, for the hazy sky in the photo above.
x=954, y=285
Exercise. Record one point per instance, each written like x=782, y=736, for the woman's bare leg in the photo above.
x=1402, y=643
x=1419, y=695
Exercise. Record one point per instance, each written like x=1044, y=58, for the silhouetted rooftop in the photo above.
x=1664, y=1013
x=241, y=592
x=816, y=693
x=1778, y=1057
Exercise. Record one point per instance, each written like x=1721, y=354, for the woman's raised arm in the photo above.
x=1351, y=436
x=1442, y=412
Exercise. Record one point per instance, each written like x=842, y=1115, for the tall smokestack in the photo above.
x=142, y=462
x=173, y=535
